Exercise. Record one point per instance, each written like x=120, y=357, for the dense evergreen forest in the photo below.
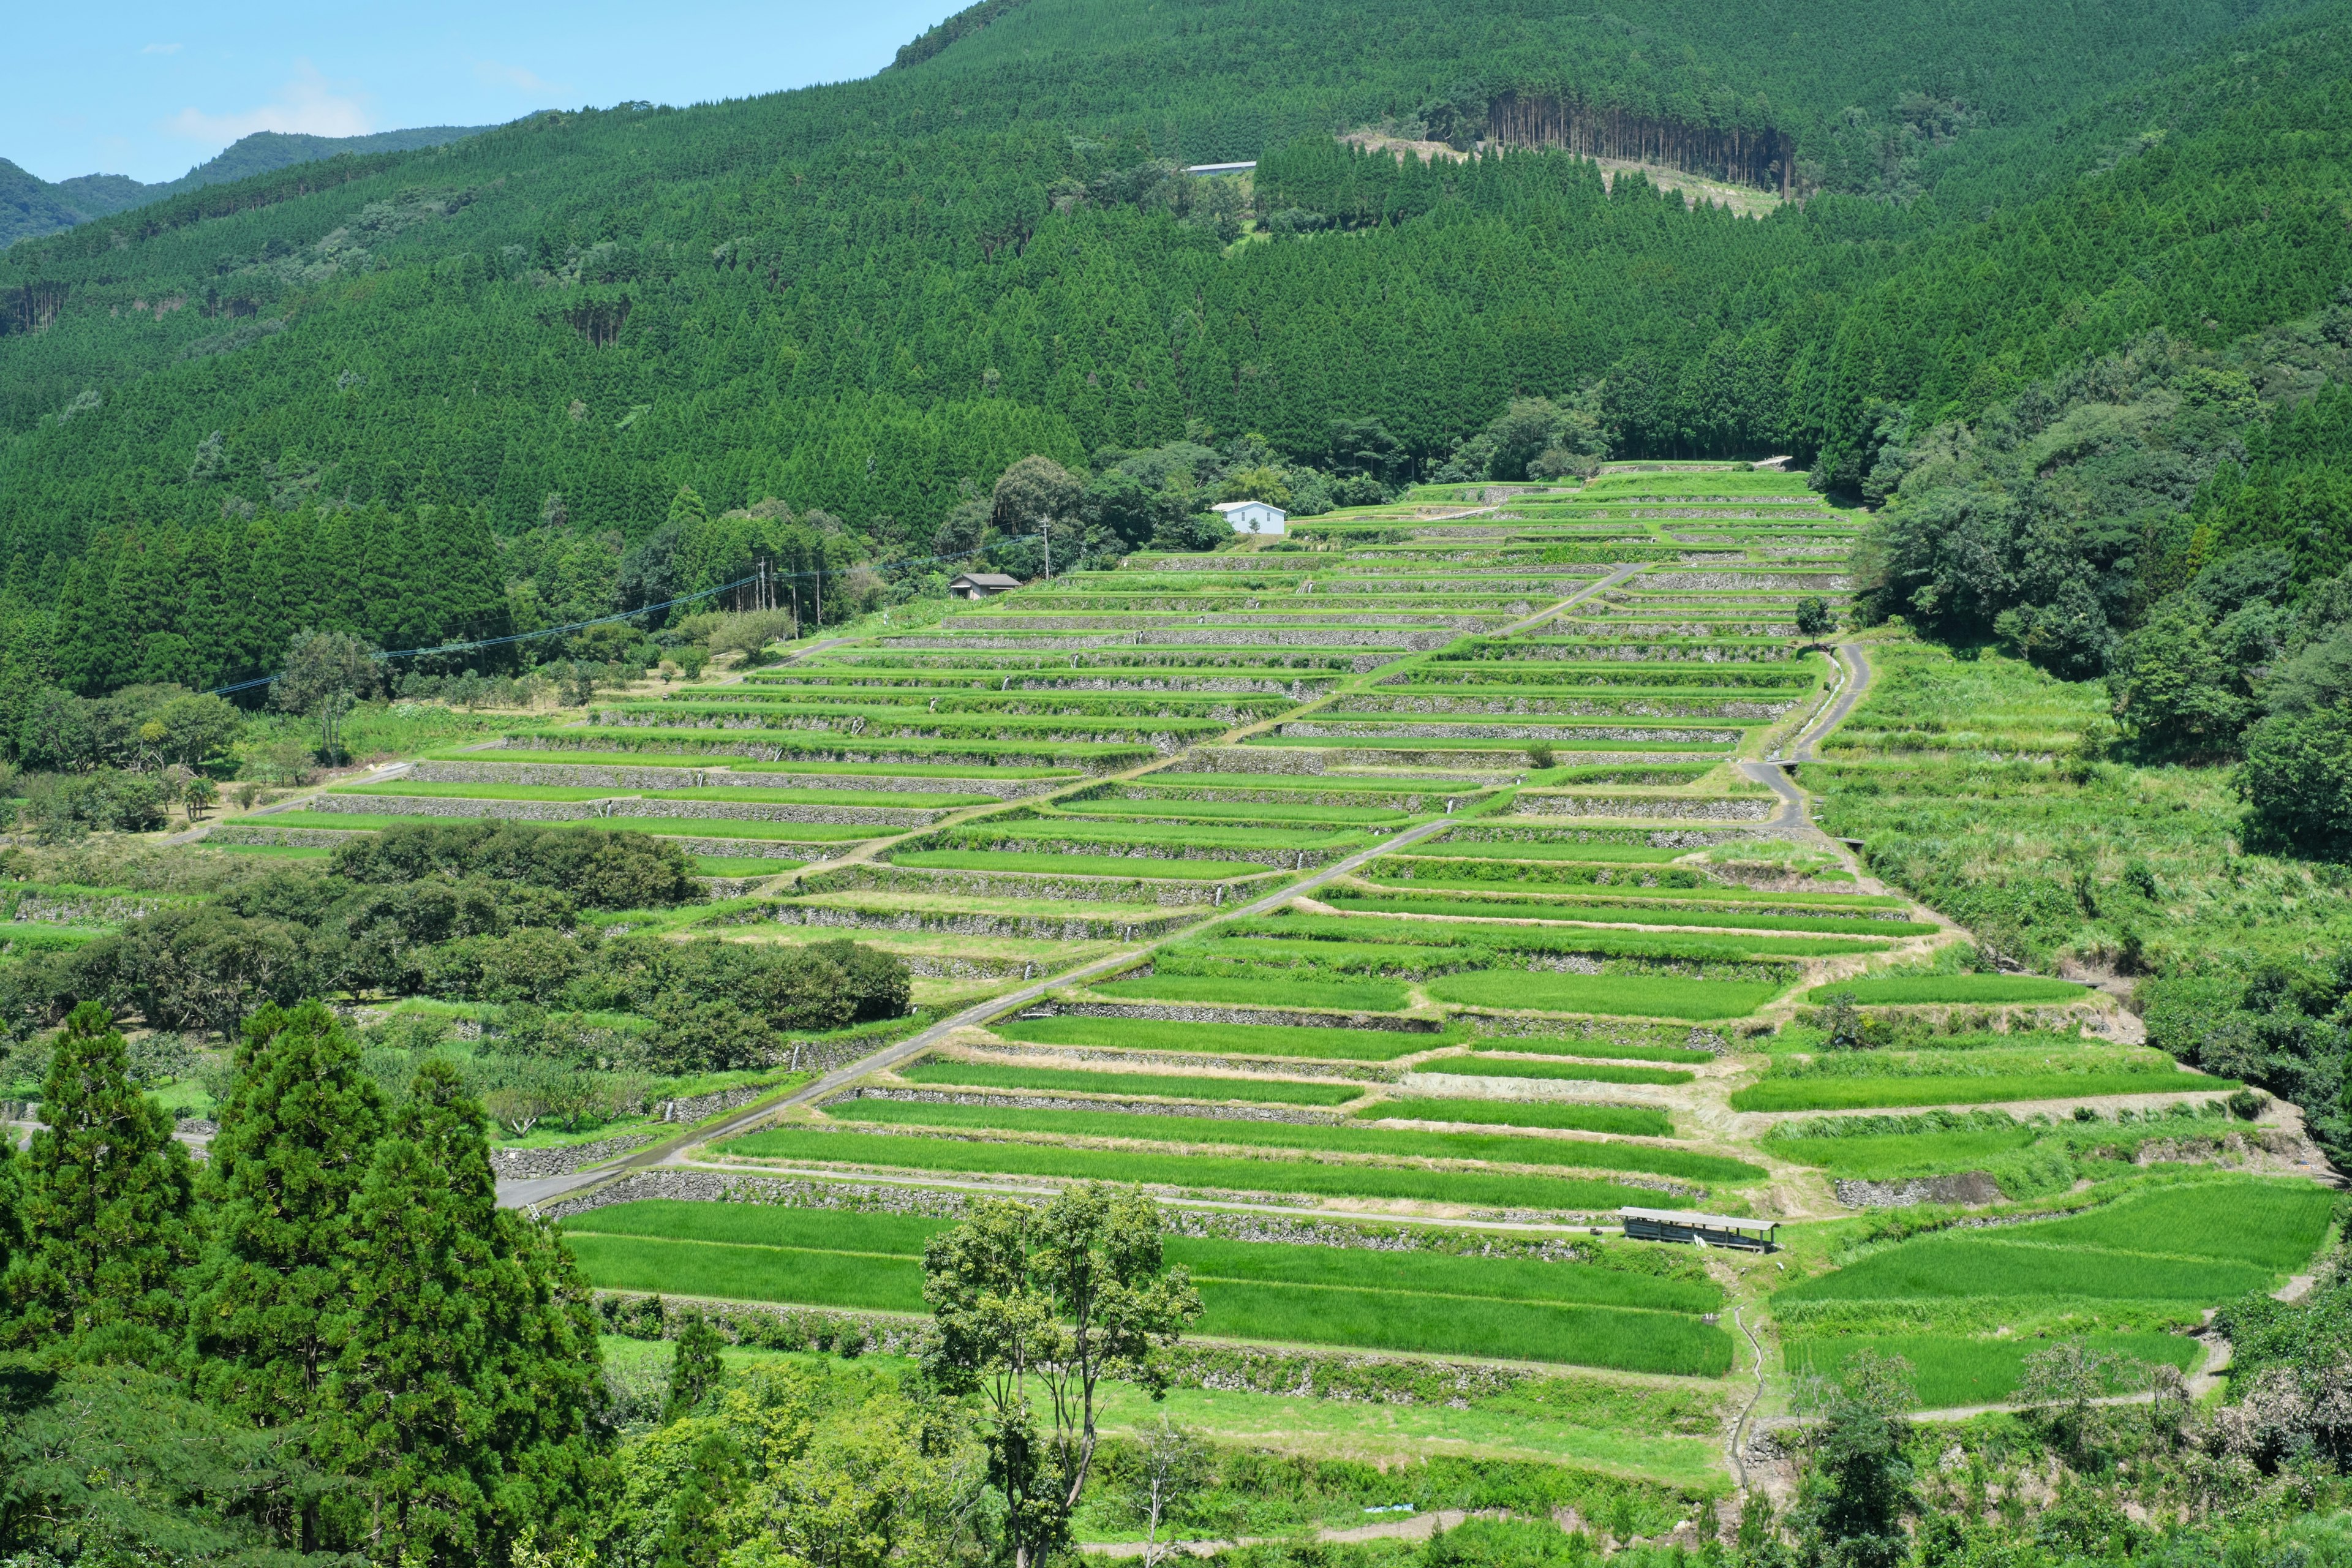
x=871, y=299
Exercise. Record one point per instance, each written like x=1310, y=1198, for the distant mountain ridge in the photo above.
x=31, y=207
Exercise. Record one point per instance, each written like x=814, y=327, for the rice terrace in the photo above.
x=1490, y=785
x=1397, y=902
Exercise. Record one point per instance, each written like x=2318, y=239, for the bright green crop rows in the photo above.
x=1239, y=1039
x=1229, y=1173
x=1323, y=1137
x=990, y=1074
x=1426, y=1302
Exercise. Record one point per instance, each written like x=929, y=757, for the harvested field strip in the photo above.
x=1234, y=1040
x=1950, y=1370
x=1273, y=987
x=1894, y=1093
x=1981, y=989
x=1566, y=1116
x=1616, y=996
x=1335, y=1137
x=1079, y=865
x=1214, y=1172
x=1478, y=1064
x=1170, y=1086
x=1620, y=914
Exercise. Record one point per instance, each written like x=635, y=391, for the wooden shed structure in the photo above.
x=1710, y=1229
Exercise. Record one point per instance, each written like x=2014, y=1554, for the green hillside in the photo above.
x=31, y=207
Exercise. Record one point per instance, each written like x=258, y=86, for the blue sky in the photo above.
x=149, y=91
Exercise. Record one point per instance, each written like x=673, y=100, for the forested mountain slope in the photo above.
x=872, y=297
x=31, y=207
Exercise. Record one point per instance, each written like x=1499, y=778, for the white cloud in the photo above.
x=161, y=49
x=490, y=73
x=308, y=104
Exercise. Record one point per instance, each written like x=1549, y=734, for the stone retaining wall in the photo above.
x=849, y=749
x=1639, y=707
x=1411, y=802
x=1180, y=1061
x=1683, y=808
x=469, y=808
x=527, y=1164
x=292, y=837
x=615, y=777
x=1969, y=1187
x=1072, y=840
x=1200, y=1012
x=1342, y=729
x=1029, y=927
x=1171, y=894
x=1732, y=582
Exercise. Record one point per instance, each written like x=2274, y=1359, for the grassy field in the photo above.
x=1619, y=996
x=1239, y=1039
x=1989, y=990
x=2194, y=1242
x=989, y=1075
x=1426, y=1302
x=1884, y=1156
x=1951, y=1370
x=1335, y=1137
x=1269, y=990
x=1211, y=1172
x=1633, y=1121
x=1992, y=1089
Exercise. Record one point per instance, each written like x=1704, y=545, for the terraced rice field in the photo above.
x=1424, y=870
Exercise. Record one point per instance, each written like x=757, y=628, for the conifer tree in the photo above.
x=106, y=1208
x=270, y=1306
x=462, y=1391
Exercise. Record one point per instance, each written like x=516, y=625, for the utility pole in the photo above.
x=1045, y=532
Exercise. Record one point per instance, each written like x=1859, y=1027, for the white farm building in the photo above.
x=1253, y=516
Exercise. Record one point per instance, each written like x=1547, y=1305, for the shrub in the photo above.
x=2296, y=781
x=1814, y=617
x=603, y=869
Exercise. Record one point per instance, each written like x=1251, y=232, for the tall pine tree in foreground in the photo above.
x=107, y=1210
x=465, y=1389
x=270, y=1306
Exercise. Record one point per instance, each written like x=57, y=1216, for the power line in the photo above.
x=765, y=574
